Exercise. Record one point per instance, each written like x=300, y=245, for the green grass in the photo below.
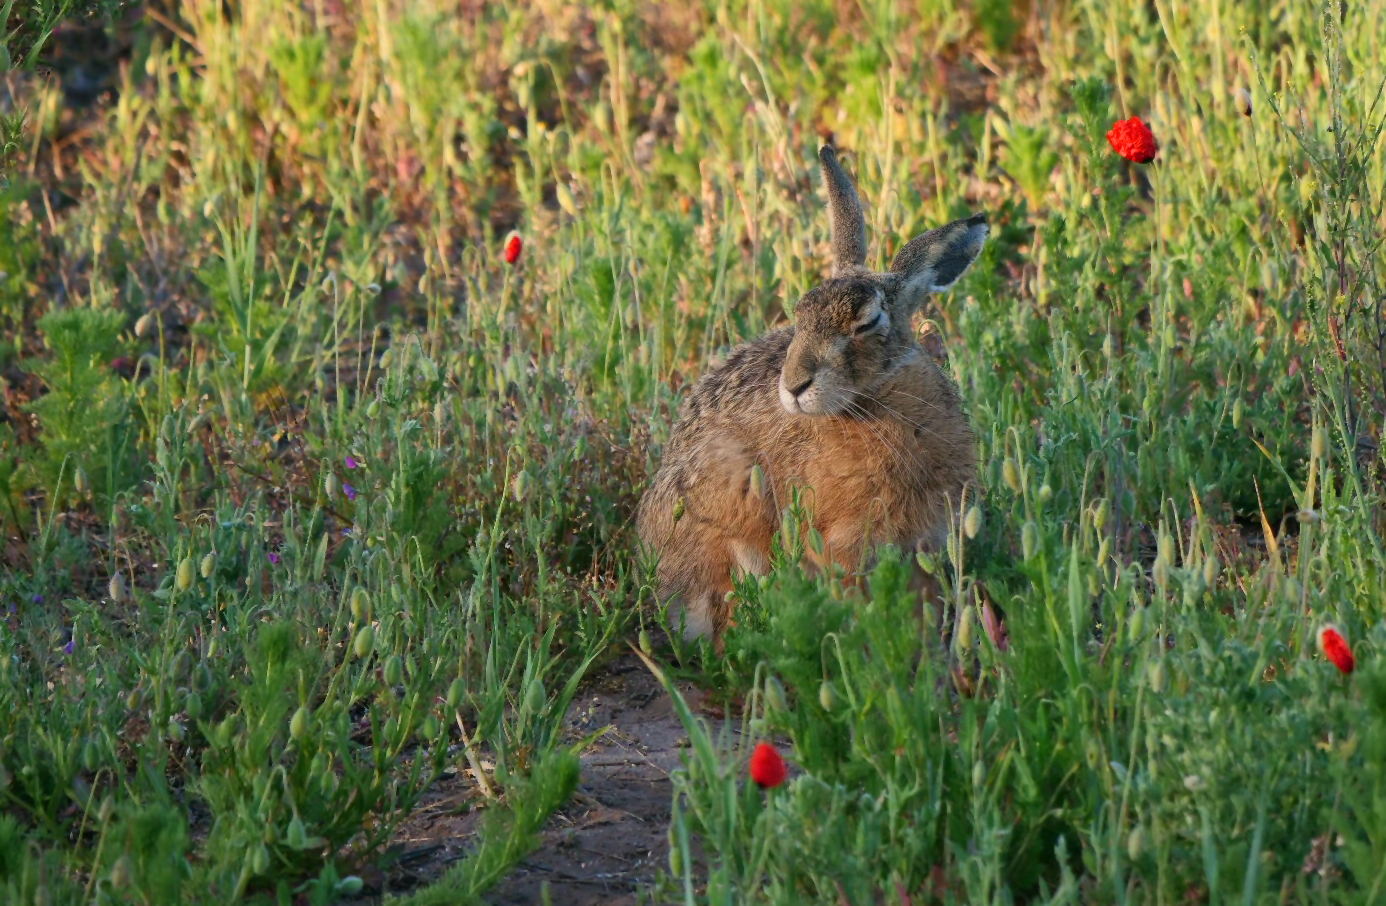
x=268, y=268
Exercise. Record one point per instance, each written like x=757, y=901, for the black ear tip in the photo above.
x=977, y=220
x=827, y=154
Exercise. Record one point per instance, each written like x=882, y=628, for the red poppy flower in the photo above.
x=1133, y=140
x=767, y=767
x=1336, y=649
x=513, y=246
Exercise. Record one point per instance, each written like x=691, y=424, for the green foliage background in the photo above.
x=309, y=497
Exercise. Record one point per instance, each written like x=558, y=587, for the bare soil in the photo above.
x=606, y=844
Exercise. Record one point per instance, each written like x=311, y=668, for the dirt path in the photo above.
x=608, y=841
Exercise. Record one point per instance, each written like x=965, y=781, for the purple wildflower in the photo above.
x=13, y=607
x=37, y=599
x=273, y=557
x=351, y=462
x=70, y=646
x=349, y=491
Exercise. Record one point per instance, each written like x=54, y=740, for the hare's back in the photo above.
x=746, y=384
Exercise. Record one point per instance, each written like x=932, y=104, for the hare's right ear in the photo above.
x=844, y=210
x=932, y=262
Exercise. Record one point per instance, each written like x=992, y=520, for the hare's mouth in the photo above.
x=813, y=397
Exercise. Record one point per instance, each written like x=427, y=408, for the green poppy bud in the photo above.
x=774, y=695
x=757, y=482
x=184, y=578
x=967, y=621
x=122, y=872
x=394, y=670
x=298, y=725
x=1010, y=474
x=1135, y=843
x=972, y=522
x=827, y=696
x=260, y=859
x=365, y=641
x=360, y=604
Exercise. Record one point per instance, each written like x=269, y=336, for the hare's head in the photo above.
x=852, y=331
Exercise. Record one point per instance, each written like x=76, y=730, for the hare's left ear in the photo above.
x=844, y=211
x=933, y=262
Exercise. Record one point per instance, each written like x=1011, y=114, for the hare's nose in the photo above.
x=795, y=391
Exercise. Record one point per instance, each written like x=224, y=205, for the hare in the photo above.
x=844, y=403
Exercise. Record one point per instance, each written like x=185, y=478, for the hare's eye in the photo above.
x=868, y=326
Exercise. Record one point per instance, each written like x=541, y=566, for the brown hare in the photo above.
x=844, y=405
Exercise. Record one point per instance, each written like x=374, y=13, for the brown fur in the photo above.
x=844, y=406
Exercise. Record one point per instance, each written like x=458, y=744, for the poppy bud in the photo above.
x=972, y=522
x=91, y=755
x=209, y=564
x=394, y=670
x=360, y=604
x=1010, y=474
x=1159, y=573
x=1029, y=539
x=260, y=859
x=1135, y=843
x=566, y=200
x=298, y=725
x=675, y=856
x=966, y=622
x=364, y=641
x=774, y=695
x=116, y=588
x=757, y=483
x=1157, y=675
x=1101, y=514
x=430, y=728
x=122, y=872
x=184, y=577
x=827, y=696
x=1210, y=571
